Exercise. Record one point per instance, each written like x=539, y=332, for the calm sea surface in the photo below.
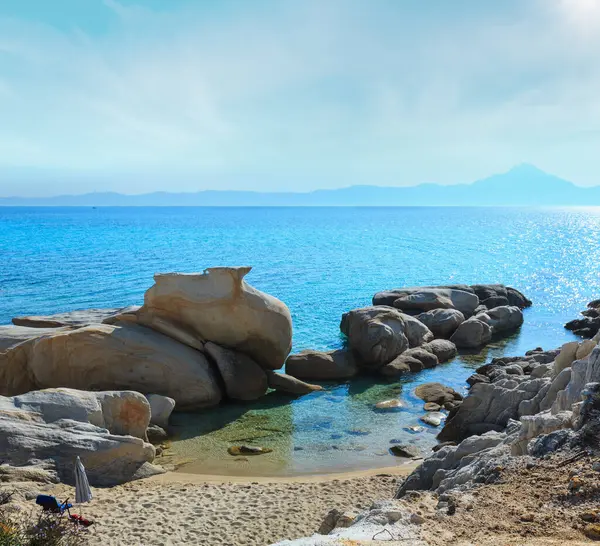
x=321, y=262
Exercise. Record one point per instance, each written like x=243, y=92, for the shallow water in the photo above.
x=321, y=262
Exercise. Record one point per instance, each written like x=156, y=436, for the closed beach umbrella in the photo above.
x=83, y=493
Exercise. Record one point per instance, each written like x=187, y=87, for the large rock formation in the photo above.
x=457, y=296
x=218, y=306
x=124, y=413
x=589, y=325
x=423, y=299
x=321, y=366
x=107, y=357
x=379, y=334
x=442, y=322
x=73, y=319
x=471, y=334
x=34, y=428
x=13, y=335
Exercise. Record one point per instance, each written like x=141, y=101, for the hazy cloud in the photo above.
x=300, y=94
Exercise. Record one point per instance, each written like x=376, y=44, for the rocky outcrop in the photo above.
x=379, y=334
x=31, y=437
x=290, y=385
x=442, y=322
x=503, y=318
x=423, y=299
x=471, y=334
x=443, y=349
x=72, y=319
x=244, y=379
x=322, y=366
x=105, y=357
x=490, y=406
x=589, y=325
x=218, y=306
x=13, y=335
x=125, y=413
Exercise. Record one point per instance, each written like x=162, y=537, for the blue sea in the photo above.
x=321, y=262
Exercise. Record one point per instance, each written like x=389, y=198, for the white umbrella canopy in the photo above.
x=83, y=492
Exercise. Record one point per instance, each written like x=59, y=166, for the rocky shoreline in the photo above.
x=520, y=413
x=101, y=383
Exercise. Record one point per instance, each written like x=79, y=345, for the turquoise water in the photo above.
x=321, y=262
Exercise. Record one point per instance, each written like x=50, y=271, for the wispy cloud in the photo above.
x=310, y=94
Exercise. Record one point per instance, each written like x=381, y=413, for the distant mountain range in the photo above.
x=524, y=185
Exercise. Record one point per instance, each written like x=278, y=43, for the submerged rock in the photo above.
x=390, y=404
x=433, y=418
x=248, y=450
x=406, y=451
x=437, y=393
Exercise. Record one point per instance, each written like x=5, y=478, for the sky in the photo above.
x=179, y=95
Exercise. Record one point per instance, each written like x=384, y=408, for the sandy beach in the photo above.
x=176, y=509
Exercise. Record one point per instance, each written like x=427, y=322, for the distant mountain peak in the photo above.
x=527, y=169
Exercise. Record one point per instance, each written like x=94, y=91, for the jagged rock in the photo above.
x=489, y=406
x=161, y=408
x=454, y=465
x=317, y=365
x=582, y=372
x=477, y=378
x=107, y=357
x=566, y=357
x=436, y=393
x=248, y=450
x=549, y=443
x=25, y=438
x=380, y=334
x=471, y=334
x=218, y=306
x=442, y=322
x=75, y=319
x=286, y=383
x=513, y=369
x=13, y=335
x=406, y=451
x=443, y=349
x=501, y=319
x=461, y=299
x=125, y=413
x=542, y=423
x=244, y=379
